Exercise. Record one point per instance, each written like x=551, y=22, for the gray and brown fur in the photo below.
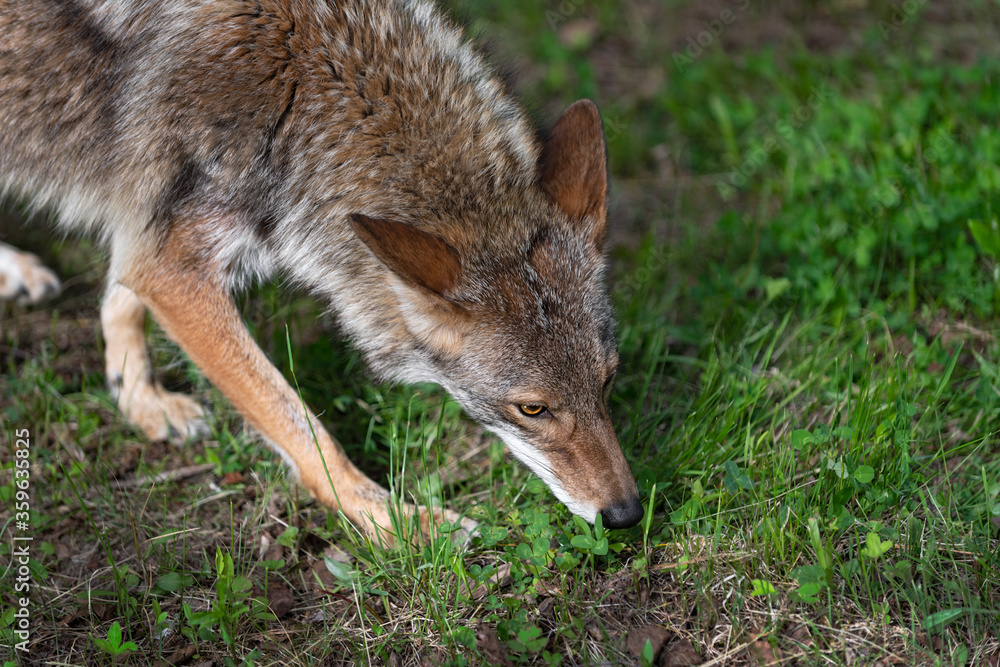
x=358, y=148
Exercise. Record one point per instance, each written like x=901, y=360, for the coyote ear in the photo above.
x=574, y=167
x=417, y=256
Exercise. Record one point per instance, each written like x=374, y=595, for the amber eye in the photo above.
x=531, y=409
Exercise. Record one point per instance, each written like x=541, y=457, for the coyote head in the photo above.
x=512, y=317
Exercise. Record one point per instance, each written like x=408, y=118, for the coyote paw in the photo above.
x=416, y=525
x=164, y=415
x=462, y=528
x=23, y=278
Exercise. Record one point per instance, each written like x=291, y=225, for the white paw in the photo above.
x=464, y=535
x=164, y=415
x=23, y=278
x=374, y=516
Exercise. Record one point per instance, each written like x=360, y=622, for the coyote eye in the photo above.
x=532, y=410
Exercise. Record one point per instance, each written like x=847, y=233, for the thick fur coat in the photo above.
x=359, y=148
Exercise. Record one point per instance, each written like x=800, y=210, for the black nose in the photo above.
x=622, y=515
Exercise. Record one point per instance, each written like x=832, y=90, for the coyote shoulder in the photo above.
x=360, y=149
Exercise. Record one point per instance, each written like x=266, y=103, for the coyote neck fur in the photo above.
x=409, y=125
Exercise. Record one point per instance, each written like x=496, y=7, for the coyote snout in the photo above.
x=358, y=148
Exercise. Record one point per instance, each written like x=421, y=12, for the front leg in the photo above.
x=189, y=299
x=144, y=402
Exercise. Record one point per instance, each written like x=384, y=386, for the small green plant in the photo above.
x=114, y=645
x=762, y=587
x=875, y=546
x=736, y=479
x=596, y=543
x=233, y=603
x=529, y=640
x=161, y=620
x=987, y=236
x=646, y=656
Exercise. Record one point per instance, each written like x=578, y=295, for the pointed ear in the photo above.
x=574, y=167
x=416, y=256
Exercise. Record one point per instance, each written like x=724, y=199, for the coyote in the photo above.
x=359, y=148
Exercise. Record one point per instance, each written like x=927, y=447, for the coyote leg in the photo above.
x=197, y=311
x=158, y=412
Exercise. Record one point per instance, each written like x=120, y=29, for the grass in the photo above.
x=809, y=395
